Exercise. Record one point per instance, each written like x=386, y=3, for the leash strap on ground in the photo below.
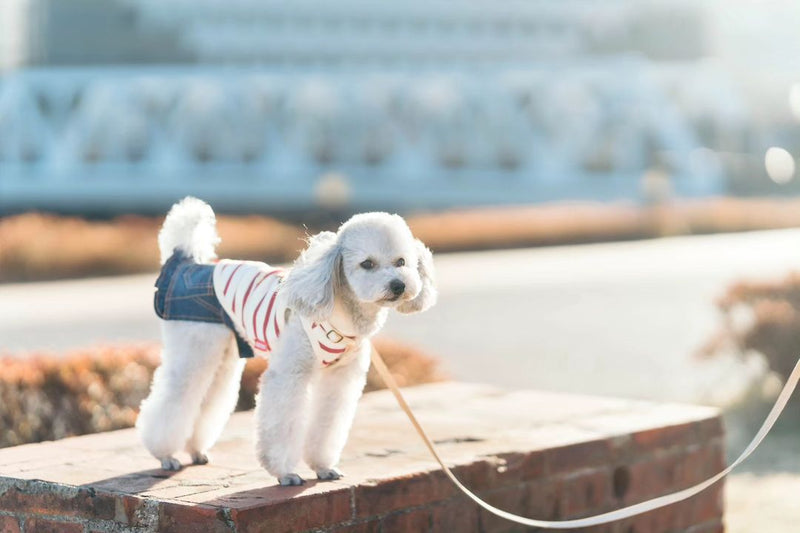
x=619, y=514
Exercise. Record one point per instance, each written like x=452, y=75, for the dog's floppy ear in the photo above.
x=310, y=283
x=427, y=295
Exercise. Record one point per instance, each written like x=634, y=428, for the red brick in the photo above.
x=456, y=515
x=514, y=468
x=681, y=435
x=543, y=500
x=401, y=493
x=296, y=514
x=550, y=472
x=578, y=456
x=501, y=470
x=42, y=525
x=602, y=528
x=479, y=475
x=538, y=500
x=9, y=524
x=712, y=458
x=701, y=462
x=507, y=469
x=672, y=518
x=179, y=518
x=714, y=526
x=511, y=499
x=535, y=465
x=664, y=437
x=418, y=521
x=585, y=493
x=656, y=475
x=708, y=505
x=660, y=474
x=35, y=497
x=128, y=510
x=369, y=526
x=709, y=429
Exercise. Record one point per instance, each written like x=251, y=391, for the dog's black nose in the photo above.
x=397, y=287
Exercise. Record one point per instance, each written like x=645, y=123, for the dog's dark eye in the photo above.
x=400, y=262
x=367, y=264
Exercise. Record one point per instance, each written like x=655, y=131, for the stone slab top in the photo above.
x=464, y=420
x=480, y=430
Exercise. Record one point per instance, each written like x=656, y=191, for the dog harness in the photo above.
x=245, y=296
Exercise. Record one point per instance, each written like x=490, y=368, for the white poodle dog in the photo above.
x=314, y=322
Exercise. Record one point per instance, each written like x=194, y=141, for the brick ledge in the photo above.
x=540, y=454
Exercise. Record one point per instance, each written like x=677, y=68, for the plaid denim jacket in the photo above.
x=185, y=291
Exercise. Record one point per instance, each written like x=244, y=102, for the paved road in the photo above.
x=616, y=318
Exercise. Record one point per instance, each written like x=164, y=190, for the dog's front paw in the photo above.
x=328, y=474
x=199, y=458
x=170, y=463
x=290, y=479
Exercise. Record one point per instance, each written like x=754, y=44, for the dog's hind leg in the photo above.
x=218, y=404
x=192, y=353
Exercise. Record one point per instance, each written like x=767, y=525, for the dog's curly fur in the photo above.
x=303, y=410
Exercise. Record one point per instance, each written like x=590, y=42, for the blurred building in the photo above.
x=110, y=105
x=306, y=33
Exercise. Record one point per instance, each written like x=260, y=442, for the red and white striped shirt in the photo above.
x=249, y=292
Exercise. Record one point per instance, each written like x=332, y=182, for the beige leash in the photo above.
x=619, y=514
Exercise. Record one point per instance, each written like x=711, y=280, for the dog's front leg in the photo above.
x=283, y=404
x=335, y=395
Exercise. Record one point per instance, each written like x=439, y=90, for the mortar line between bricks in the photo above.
x=348, y=523
x=58, y=518
x=672, y=451
x=572, y=474
x=352, y=503
x=110, y=526
x=229, y=521
x=379, y=517
x=703, y=525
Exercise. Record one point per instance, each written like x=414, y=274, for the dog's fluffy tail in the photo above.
x=191, y=227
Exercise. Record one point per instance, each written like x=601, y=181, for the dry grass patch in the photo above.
x=38, y=247
x=503, y=227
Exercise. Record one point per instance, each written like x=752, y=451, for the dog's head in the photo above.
x=374, y=257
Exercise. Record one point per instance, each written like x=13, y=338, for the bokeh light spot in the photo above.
x=794, y=100
x=332, y=191
x=779, y=164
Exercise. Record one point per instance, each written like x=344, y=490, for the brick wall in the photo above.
x=537, y=454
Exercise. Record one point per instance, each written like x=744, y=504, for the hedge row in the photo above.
x=764, y=317
x=47, y=396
